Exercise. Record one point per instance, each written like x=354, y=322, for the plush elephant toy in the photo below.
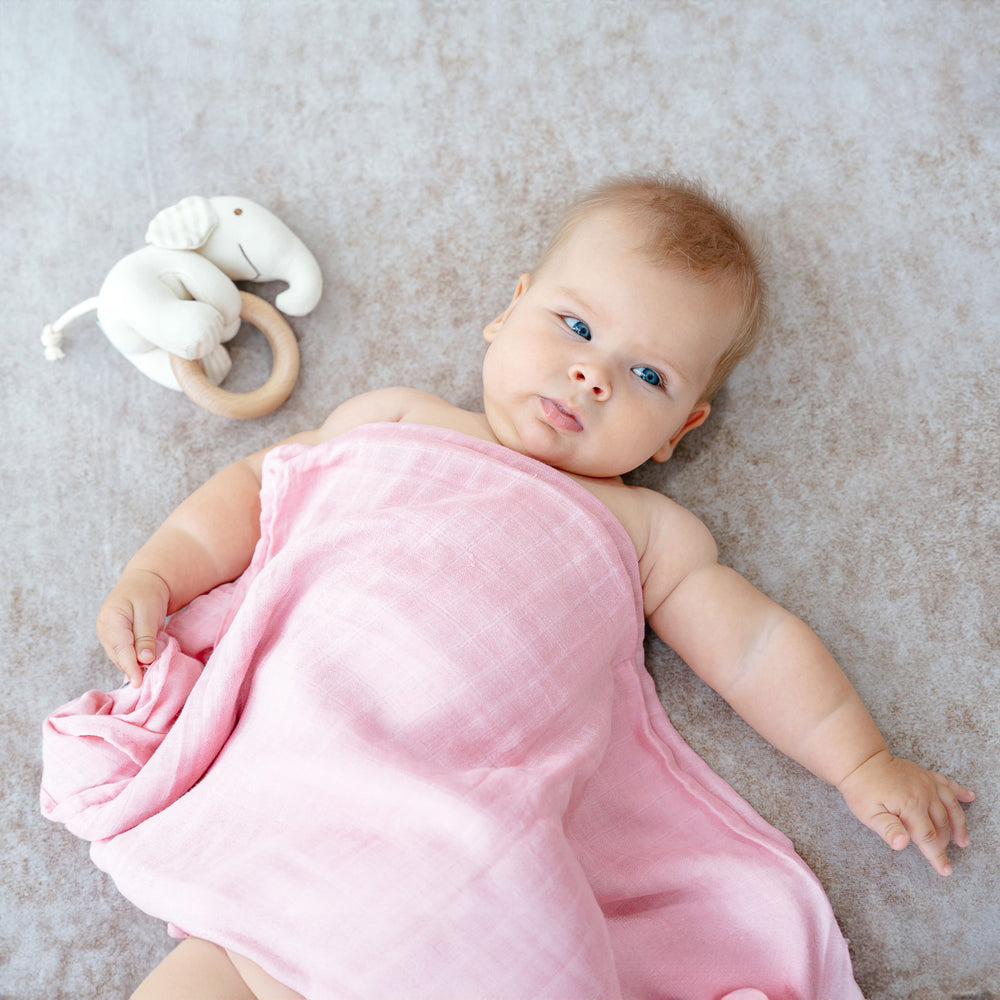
x=177, y=297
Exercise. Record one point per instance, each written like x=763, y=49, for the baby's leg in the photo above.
x=195, y=970
x=199, y=970
x=261, y=984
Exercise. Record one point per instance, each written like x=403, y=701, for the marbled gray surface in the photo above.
x=422, y=150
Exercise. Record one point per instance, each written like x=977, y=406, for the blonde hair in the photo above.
x=688, y=229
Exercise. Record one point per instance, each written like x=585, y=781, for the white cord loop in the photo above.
x=52, y=332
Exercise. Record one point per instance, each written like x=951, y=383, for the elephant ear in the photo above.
x=184, y=226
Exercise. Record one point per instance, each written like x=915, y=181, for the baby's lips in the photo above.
x=560, y=416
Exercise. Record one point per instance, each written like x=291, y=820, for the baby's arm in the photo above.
x=210, y=538
x=780, y=678
x=207, y=540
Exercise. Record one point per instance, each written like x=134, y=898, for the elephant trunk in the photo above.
x=305, y=284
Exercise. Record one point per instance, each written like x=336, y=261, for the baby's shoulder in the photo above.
x=670, y=541
x=671, y=527
x=395, y=404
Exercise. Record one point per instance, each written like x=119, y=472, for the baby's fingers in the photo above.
x=931, y=834
x=145, y=626
x=930, y=828
x=889, y=827
x=129, y=638
x=903, y=802
x=119, y=646
x=952, y=796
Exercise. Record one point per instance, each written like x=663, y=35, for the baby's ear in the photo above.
x=492, y=329
x=694, y=419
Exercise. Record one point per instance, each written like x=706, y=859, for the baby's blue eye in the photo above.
x=649, y=375
x=578, y=327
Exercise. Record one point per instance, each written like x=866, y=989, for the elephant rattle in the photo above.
x=170, y=307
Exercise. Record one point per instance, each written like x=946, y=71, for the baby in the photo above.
x=607, y=355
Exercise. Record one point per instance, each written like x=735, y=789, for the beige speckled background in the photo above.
x=422, y=150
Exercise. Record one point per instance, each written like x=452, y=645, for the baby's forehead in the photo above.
x=607, y=265
x=615, y=233
x=599, y=233
x=607, y=219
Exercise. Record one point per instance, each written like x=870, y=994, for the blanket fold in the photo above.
x=413, y=751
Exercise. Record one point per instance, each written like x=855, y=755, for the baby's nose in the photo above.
x=596, y=379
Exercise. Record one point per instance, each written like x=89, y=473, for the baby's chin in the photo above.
x=534, y=442
x=590, y=466
x=601, y=472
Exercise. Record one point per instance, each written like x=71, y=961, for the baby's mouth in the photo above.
x=560, y=416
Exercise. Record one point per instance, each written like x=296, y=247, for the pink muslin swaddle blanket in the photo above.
x=413, y=752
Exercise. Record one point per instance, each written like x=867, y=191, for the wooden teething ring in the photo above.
x=278, y=387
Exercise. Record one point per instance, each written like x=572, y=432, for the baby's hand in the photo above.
x=901, y=801
x=129, y=620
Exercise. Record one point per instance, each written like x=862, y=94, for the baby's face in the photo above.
x=600, y=360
